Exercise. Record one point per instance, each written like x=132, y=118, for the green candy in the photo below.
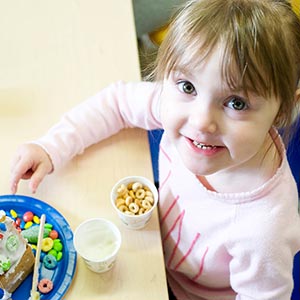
x=5, y=263
x=31, y=234
x=53, y=252
x=57, y=246
x=6, y=266
x=12, y=243
x=59, y=256
x=48, y=225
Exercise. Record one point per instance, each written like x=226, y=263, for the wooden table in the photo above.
x=55, y=54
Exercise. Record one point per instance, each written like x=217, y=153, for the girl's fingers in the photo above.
x=31, y=162
x=38, y=175
x=21, y=169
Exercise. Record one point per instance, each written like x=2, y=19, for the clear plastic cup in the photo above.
x=97, y=241
x=136, y=221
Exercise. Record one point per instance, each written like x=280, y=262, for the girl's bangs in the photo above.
x=188, y=55
x=239, y=74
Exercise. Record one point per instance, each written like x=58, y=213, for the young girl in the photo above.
x=226, y=77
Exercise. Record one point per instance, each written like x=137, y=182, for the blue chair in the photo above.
x=154, y=137
x=293, y=154
x=296, y=274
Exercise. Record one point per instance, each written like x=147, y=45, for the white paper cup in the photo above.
x=97, y=241
x=134, y=221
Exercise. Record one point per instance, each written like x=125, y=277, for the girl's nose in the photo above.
x=204, y=119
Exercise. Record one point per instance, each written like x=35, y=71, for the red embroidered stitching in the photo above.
x=165, y=153
x=169, y=210
x=201, y=266
x=164, y=182
x=188, y=252
x=179, y=218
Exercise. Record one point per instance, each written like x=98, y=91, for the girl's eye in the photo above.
x=186, y=87
x=237, y=104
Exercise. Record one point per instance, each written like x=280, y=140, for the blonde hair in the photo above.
x=261, y=41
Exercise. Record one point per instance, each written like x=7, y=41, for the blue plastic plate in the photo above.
x=63, y=274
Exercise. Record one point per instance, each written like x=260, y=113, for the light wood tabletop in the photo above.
x=55, y=54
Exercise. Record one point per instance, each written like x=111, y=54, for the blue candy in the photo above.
x=2, y=227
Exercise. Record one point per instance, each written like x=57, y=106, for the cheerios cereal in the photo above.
x=134, y=198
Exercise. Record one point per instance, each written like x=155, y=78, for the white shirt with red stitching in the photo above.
x=217, y=246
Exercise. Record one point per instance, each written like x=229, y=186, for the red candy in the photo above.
x=18, y=222
x=28, y=216
x=53, y=234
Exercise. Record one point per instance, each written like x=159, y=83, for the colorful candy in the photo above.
x=57, y=245
x=52, y=247
x=2, y=227
x=59, y=256
x=27, y=224
x=18, y=222
x=28, y=216
x=4, y=264
x=53, y=234
x=36, y=220
x=48, y=226
x=13, y=213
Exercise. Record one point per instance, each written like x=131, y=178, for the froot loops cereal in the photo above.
x=45, y=286
x=134, y=198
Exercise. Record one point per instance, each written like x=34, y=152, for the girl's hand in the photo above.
x=31, y=162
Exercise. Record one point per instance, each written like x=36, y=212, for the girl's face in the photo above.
x=213, y=127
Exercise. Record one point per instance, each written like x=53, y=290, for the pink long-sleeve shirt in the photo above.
x=217, y=246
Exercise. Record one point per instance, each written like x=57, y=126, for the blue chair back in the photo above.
x=293, y=155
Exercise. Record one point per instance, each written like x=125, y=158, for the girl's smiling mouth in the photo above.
x=203, y=148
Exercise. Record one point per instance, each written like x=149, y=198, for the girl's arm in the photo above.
x=118, y=106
